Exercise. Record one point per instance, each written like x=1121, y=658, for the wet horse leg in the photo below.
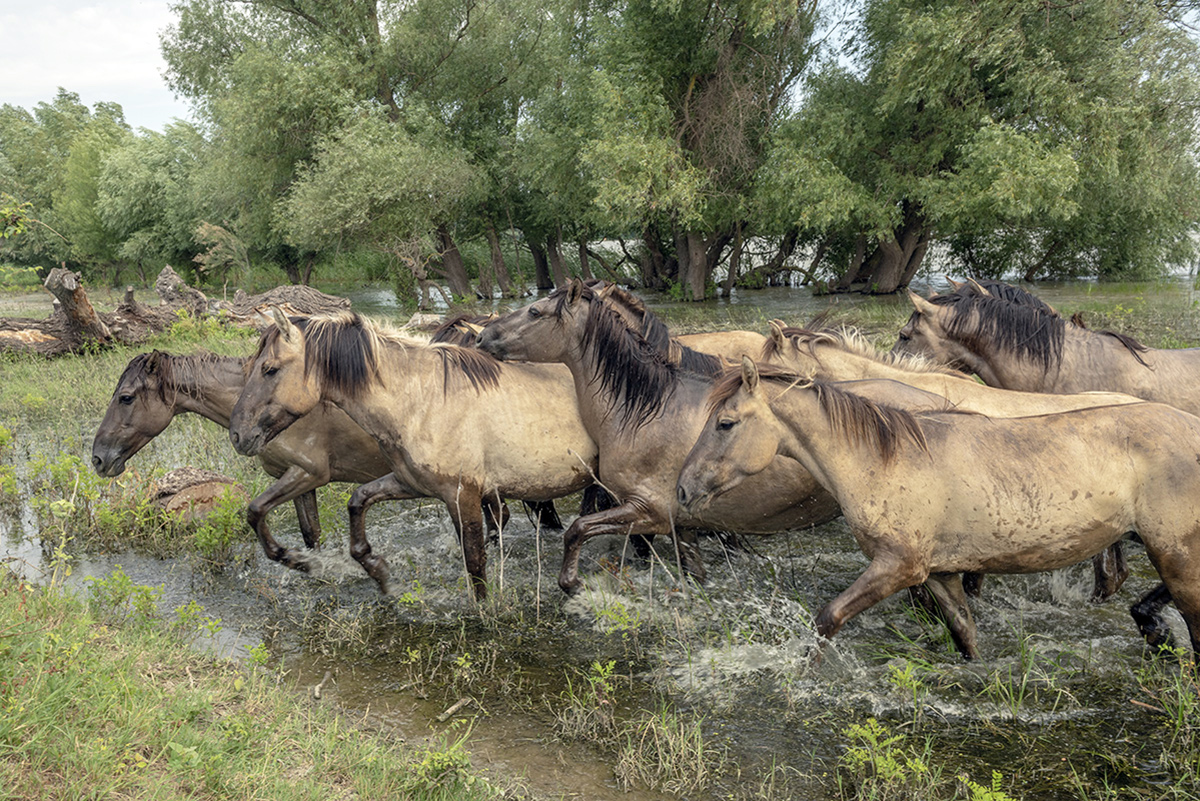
x=1147, y=614
x=309, y=518
x=384, y=488
x=293, y=484
x=495, y=514
x=888, y=572
x=1110, y=571
x=627, y=519
x=947, y=589
x=464, y=504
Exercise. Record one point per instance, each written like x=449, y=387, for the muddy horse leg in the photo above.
x=1110, y=571
x=1147, y=614
x=947, y=589
x=384, y=488
x=309, y=518
x=625, y=520
x=464, y=505
x=293, y=484
x=888, y=572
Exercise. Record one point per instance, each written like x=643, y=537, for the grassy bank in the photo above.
x=100, y=698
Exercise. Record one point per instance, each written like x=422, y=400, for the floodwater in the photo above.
x=1059, y=700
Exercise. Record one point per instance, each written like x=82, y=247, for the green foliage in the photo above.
x=881, y=765
x=219, y=530
x=117, y=600
x=668, y=751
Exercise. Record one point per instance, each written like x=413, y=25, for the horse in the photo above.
x=452, y=422
x=324, y=446
x=1019, y=346
x=949, y=492
x=845, y=355
x=644, y=411
x=1012, y=339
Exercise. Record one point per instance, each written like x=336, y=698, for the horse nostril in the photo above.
x=96, y=462
x=234, y=437
x=682, y=495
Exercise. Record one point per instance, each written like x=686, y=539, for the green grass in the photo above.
x=101, y=699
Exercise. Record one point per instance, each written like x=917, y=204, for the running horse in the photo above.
x=1011, y=339
x=845, y=354
x=949, y=492
x=644, y=409
x=327, y=446
x=452, y=422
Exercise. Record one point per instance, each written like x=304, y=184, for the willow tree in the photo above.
x=1027, y=136
x=688, y=94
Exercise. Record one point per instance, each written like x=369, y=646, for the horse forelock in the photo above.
x=342, y=351
x=980, y=321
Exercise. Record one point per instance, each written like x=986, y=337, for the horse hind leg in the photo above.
x=952, y=609
x=1110, y=571
x=1147, y=614
x=367, y=495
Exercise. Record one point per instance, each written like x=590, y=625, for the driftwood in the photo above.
x=75, y=325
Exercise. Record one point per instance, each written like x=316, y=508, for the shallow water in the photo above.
x=1058, y=690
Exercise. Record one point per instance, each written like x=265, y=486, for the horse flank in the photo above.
x=862, y=421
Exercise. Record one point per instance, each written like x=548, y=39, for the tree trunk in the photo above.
x=558, y=265
x=67, y=289
x=541, y=267
x=452, y=264
x=585, y=269
x=498, y=266
x=856, y=263
x=695, y=280
x=735, y=261
x=898, y=258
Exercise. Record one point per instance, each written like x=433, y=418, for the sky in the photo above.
x=102, y=50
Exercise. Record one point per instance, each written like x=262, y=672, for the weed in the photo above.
x=990, y=792
x=585, y=711
x=668, y=751
x=883, y=766
x=221, y=528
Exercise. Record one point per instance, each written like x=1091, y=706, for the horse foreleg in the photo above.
x=384, y=488
x=309, y=518
x=1110, y=571
x=293, y=484
x=626, y=519
x=1147, y=615
x=888, y=573
x=545, y=515
x=495, y=513
x=947, y=589
x=463, y=506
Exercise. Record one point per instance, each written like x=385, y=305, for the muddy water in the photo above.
x=1057, y=693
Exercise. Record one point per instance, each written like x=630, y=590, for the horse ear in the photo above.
x=574, y=290
x=920, y=304
x=286, y=329
x=955, y=285
x=749, y=375
x=153, y=360
x=777, y=331
x=979, y=288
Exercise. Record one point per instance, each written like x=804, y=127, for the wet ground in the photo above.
x=1059, y=693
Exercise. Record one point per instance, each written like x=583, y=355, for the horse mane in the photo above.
x=1135, y=348
x=655, y=331
x=176, y=373
x=342, y=350
x=457, y=329
x=639, y=375
x=1005, y=292
x=1022, y=329
x=862, y=421
x=853, y=341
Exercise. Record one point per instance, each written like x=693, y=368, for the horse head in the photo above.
x=139, y=411
x=539, y=332
x=740, y=438
x=279, y=387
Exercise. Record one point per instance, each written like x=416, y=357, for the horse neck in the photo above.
x=209, y=388
x=810, y=440
x=840, y=364
x=410, y=378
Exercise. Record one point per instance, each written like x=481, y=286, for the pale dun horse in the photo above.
x=950, y=492
x=453, y=422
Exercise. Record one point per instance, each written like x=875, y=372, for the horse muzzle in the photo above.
x=108, y=465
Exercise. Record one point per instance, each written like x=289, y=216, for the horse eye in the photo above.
x=534, y=312
x=269, y=370
x=126, y=400
x=725, y=425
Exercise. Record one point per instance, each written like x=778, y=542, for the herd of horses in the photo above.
x=1075, y=440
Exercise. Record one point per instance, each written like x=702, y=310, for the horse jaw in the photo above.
x=250, y=437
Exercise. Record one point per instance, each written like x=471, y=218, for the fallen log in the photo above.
x=75, y=325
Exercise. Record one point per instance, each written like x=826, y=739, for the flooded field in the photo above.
x=645, y=686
